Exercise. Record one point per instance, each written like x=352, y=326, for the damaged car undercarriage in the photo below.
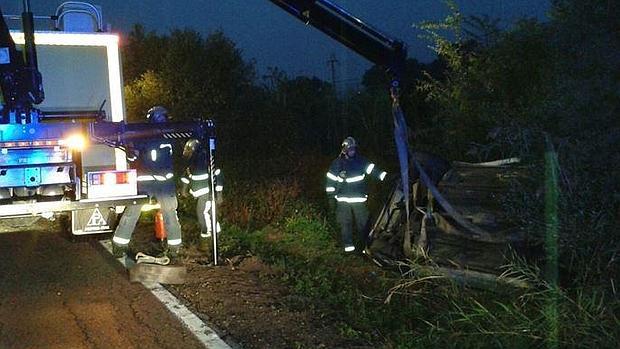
x=457, y=223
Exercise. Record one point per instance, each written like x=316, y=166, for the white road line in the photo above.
x=206, y=335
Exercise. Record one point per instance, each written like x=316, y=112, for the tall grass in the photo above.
x=542, y=316
x=388, y=309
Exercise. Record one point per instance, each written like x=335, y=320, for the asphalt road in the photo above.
x=55, y=293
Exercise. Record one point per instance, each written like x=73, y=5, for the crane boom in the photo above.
x=350, y=31
x=20, y=80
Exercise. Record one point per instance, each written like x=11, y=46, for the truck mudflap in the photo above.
x=89, y=216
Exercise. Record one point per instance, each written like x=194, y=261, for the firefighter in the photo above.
x=153, y=161
x=346, y=183
x=197, y=180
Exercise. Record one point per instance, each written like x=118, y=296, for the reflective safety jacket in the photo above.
x=346, y=178
x=197, y=176
x=153, y=161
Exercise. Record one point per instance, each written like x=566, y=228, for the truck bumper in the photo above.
x=45, y=207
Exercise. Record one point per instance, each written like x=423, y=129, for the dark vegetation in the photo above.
x=548, y=93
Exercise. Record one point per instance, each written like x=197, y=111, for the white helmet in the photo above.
x=190, y=148
x=157, y=114
x=348, y=143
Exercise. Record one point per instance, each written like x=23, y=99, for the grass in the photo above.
x=386, y=309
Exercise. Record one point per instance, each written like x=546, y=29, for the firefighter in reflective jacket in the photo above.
x=346, y=183
x=197, y=179
x=153, y=162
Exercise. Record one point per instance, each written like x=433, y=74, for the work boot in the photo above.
x=204, y=244
x=119, y=251
x=173, y=253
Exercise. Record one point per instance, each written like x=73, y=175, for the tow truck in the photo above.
x=63, y=152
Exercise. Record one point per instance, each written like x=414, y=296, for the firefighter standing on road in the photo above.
x=198, y=181
x=153, y=161
x=346, y=183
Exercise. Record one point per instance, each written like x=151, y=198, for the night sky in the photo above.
x=272, y=37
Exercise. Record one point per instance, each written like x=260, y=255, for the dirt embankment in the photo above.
x=243, y=300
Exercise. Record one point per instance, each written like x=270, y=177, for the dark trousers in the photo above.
x=166, y=197
x=346, y=213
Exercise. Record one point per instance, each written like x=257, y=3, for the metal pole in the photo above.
x=552, y=194
x=213, y=208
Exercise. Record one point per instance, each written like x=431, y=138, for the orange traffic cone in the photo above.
x=160, y=230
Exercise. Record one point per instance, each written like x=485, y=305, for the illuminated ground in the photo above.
x=59, y=294
x=55, y=293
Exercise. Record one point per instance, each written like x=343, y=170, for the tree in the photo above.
x=144, y=92
x=541, y=86
x=309, y=102
x=142, y=52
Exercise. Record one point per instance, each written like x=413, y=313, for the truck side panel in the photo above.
x=81, y=71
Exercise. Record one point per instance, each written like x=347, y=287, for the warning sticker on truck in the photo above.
x=96, y=220
x=92, y=221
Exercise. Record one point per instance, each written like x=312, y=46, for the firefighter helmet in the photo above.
x=190, y=148
x=157, y=114
x=348, y=143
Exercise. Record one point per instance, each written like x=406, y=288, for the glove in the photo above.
x=131, y=153
x=184, y=190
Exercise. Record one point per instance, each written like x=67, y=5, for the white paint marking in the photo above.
x=206, y=335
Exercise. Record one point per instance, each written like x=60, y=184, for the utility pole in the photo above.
x=332, y=61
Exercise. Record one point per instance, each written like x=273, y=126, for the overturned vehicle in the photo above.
x=457, y=221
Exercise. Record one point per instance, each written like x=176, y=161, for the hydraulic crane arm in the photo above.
x=349, y=31
x=120, y=134
x=20, y=79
